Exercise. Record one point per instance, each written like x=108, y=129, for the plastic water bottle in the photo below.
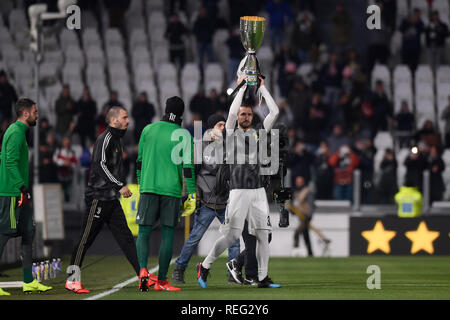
x=40, y=273
x=58, y=265
x=34, y=270
x=46, y=269
x=53, y=268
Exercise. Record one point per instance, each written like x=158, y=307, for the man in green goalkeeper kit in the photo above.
x=165, y=156
x=16, y=213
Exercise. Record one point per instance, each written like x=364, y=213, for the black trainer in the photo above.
x=178, y=274
x=251, y=282
x=235, y=271
x=268, y=283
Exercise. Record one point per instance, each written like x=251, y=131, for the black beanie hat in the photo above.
x=213, y=119
x=174, y=110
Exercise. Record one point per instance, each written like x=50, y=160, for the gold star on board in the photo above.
x=422, y=239
x=378, y=238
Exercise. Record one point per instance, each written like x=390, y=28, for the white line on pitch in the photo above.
x=121, y=285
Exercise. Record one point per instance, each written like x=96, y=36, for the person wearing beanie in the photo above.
x=212, y=204
x=165, y=156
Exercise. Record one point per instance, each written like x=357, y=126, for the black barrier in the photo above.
x=391, y=235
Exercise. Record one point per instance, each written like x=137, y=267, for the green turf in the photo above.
x=417, y=277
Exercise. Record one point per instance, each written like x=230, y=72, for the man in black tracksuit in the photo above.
x=106, y=181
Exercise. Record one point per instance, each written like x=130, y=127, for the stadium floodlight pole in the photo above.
x=38, y=13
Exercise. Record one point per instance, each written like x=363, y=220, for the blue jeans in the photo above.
x=343, y=192
x=202, y=220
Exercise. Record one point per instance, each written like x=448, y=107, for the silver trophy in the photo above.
x=252, y=34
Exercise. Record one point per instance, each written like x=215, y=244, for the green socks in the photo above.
x=142, y=245
x=27, y=276
x=165, y=251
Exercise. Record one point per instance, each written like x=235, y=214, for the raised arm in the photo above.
x=235, y=105
x=273, y=108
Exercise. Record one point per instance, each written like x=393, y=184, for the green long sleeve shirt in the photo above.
x=14, y=166
x=166, y=153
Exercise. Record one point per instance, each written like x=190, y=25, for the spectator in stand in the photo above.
x=428, y=134
x=66, y=160
x=365, y=151
x=412, y=29
x=435, y=34
x=47, y=167
x=298, y=98
x=405, y=124
x=316, y=120
x=280, y=14
x=415, y=165
x=175, y=33
x=387, y=187
x=382, y=107
x=337, y=139
x=330, y=78
x=8, y=97
x=300, y=161
x=303, y=35
x=323, y=172
x=344, y=163
x=87, y=111
x=389, y=9
x=285, y=116
x=113, y=101
x=203, y=31
x=201, y=106
x=142, y=112
x=286, y=61
x=341, y=28
x=65, y=109
x=446, y=117
x=236, y=53
x=378, y=49
x=222, y=103
x=436, y=166
x=44, y=130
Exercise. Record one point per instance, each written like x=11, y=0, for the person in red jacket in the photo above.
x=344, y=163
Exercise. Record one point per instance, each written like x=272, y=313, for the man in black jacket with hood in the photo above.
x=212, y=204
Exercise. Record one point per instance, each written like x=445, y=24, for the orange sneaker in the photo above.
x=152, y=279
x=161, y=285
x=76, y=286
x=143, y=280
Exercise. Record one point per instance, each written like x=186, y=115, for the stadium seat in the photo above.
x=446, y=158
x=160, y=55
x=424, y=92
x=115, y=54
x=383, y=140
x=74, y=54
x=137, y=38
x=76, y=88
x=156, y=20
x=68, y=38
x=402, y=74
x=167, y=90
x=213, y=85
x=90, y=37
x=95, y=72
x=17, y=18
x=214, y=73
x=143, y=72
x=5, y=36
x=423, y=74
x=113, y=37
x=402, y=92
x=442, y=74
x=167, y=72
x=94, y=54
x=265, y=57
x=190, y=73
x=381, y=72
x=71, y=71
x=140, y=55
x=118, y=71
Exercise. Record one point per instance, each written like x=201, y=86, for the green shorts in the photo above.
x=154, y=206
x=15, y=219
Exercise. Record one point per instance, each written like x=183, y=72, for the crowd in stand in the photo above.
x=332, y=115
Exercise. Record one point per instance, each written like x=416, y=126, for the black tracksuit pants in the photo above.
x=98, y=213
